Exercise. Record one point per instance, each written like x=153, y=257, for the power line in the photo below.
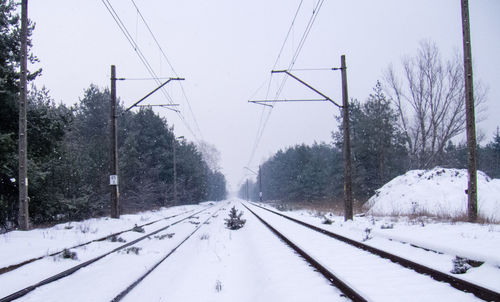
x=169, y=64
x=143, y=59
x=128, y=36
x=262, y=126
x=288, y=33
x=303, y=39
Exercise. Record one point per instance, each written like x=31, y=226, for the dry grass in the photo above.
x=335, y=206
x=425, y=217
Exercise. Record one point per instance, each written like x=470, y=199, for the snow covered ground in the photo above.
x=445, y=240
x=437, y=192
x=250, y=264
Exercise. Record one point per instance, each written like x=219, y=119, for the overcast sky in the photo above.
x=225, y=50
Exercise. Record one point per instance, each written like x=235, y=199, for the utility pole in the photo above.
x=348, y=201
x=175, y=171
x=248, y=197
x=23, y=218
x=348, y=208
x=113, y=178
x=260, y=184
x=175, y=166
x=470, y=115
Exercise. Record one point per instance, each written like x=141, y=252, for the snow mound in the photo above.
x=437, y=192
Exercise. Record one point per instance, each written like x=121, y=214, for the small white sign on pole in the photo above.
x=113, y=180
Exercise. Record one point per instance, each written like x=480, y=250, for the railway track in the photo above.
x=12, y=267
x=22, y=292
x=123, y=293
x=350, y=290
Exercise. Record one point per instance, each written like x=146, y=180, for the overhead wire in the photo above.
x=295, y=56
x=170, y=65
x=261, y=125
x=144, y=60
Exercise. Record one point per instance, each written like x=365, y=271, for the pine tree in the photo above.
x=10, y=41
x=378, y=147
x=234, y=221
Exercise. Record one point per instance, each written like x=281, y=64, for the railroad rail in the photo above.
x=460, y=284
x=18, y=294
x=122, y=294
x=12, y=267
x=336, y=281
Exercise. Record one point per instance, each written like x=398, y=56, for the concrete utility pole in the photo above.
x=348, y=208
x=113, y=178
x=348, y=201
x=175, y=167
x=260, y=184
x=470, y=115
x=23, y=218
x=175, y=171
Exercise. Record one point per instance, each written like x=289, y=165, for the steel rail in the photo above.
x=20, y=264
x=460, y=284
x=70, y=271
x=122, y=294
x=337, y=282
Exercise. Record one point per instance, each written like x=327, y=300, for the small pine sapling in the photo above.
x=234, y=221
x=460, y=265
x=67, y=254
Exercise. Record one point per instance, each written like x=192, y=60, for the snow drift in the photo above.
x=437, y=192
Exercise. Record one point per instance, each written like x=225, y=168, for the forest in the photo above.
x=381, y=150
x=69, y=150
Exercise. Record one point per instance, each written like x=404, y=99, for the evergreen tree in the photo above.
x=377, y=145
x=234, y=222
x=47, y=124
x=300, y=173
x=10, y=43
x=489, y=157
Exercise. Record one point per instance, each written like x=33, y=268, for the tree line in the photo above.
x=407, y=122
x=69, y=150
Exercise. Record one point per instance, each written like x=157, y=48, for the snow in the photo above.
x=445, y=240
x=41, y=242
x=377, y=278
x=249, y=264
x=438, y=192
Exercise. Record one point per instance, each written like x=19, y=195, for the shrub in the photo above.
x=168, y=236
x=460, y=265
x=132, y=250
x=116, y=238
x=138, y=229
x=326, y=220
x=67, y=254
x=234, y=221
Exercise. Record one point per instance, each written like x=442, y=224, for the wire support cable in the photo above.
x=144, y=61
x=264, y=120
x=170, y=65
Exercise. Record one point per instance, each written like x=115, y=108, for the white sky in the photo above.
x=226, y=49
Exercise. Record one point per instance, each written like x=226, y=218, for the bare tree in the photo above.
x=210, y=155
x=430, y=101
